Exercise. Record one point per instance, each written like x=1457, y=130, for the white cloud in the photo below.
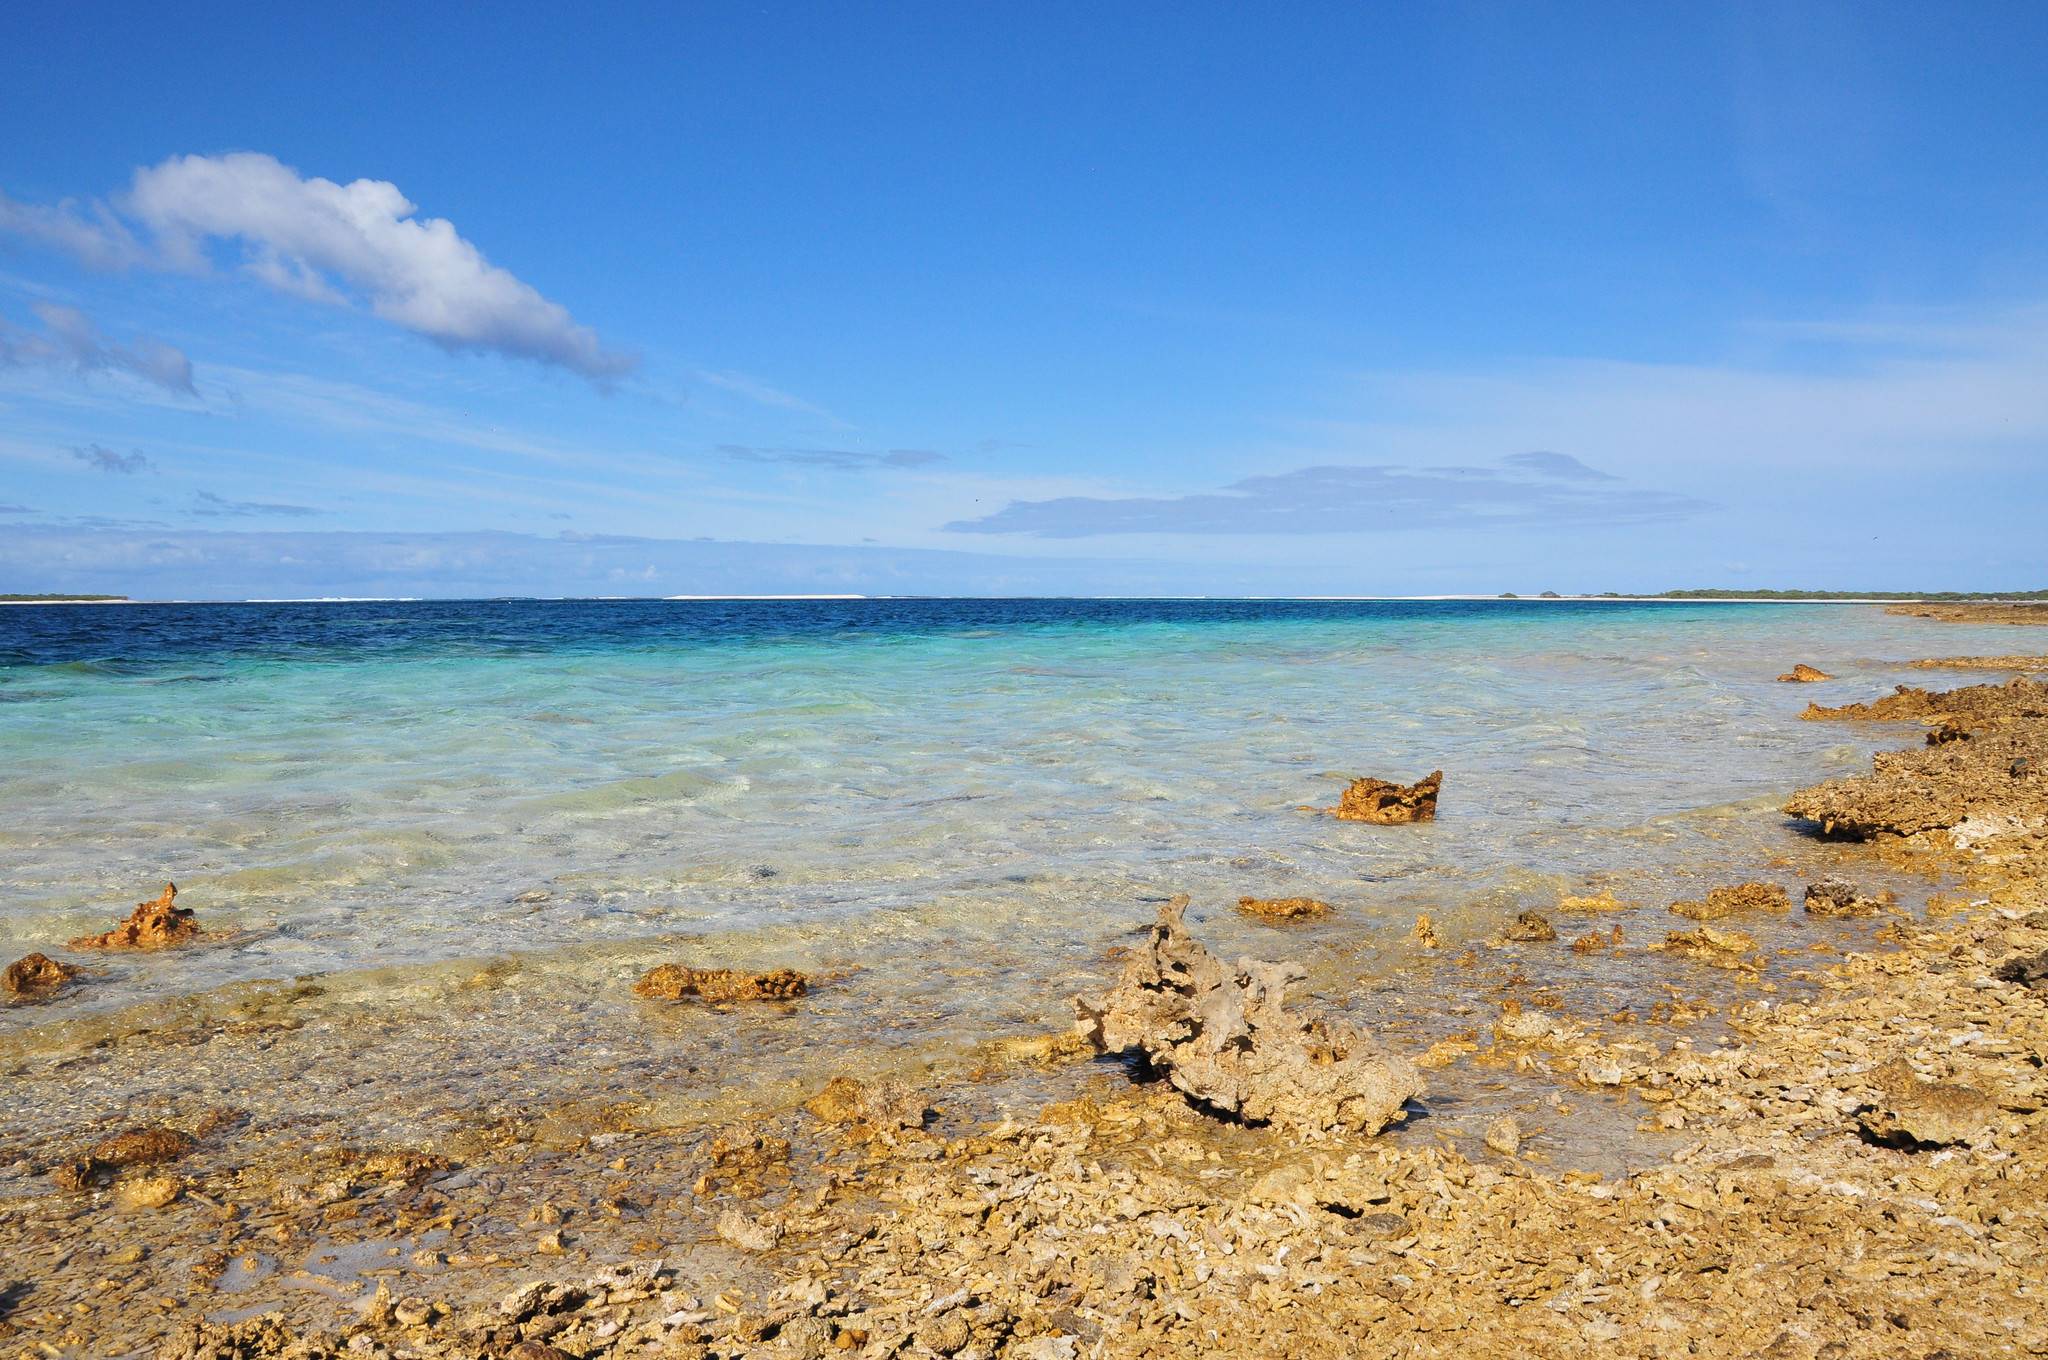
x=331, y=243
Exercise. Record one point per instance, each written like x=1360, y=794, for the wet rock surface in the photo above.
x=1386, y=804
x=1223, y=1035
x=677, y=982
x=159, y=924
x=1740, y=899
x=1283, y=908
x=1837, y=896
x=1803, y=674
x=36, y=977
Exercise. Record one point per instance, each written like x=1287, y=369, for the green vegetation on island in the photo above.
x=62, y=599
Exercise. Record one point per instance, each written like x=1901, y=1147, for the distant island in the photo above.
x=63, y=599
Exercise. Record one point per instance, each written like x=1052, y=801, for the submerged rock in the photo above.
x=1803, y=674
x=132, y=1147
x=1283, y=908
x=1839, y=897
x=1738, y=900
x=152, y=925
x=881, y=1105
x=1222, y=1034
x=675, y=982
x=1720, y=948
x=1530, y=928
x=1385, y=804
x=35, y=976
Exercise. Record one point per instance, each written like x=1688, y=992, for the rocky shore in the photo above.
x=1850, y=1162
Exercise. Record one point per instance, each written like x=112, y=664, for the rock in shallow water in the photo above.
x=152, y=925
x=1283, y=908
x=1387, y=804
x=36, y=975
x=1222, y=1034
x=675, y=982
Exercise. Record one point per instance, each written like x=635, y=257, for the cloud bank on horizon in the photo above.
x=1553, y=489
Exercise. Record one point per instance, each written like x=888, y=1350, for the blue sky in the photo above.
x=1061, y=298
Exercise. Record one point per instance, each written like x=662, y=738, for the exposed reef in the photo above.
x=1223, y=1035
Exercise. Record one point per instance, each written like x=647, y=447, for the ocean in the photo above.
x=456, y=831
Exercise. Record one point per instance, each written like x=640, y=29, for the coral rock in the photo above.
x=1721, y=948
x=883, y=1105
x=1222, y=1034
x=36, y=975
x=1911, y=1113
x=152, y=925
x=1385, y=804
x=1735, y=901
x=1283, y=908
x=674, y=982
x=1424, y=933
x=1840, y=897
x=1803, y=674
x=1530, y=928
x=2028, y=970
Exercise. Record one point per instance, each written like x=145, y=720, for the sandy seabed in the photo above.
x=1836, y=1144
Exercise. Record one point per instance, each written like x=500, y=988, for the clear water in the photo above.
x=955, y=806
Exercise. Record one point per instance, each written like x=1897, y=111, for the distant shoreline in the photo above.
x=1776, y=598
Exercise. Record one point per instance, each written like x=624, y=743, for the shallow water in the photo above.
x=957, y=805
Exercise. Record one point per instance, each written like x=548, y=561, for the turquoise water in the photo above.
x=653, y=773
x=957, y=806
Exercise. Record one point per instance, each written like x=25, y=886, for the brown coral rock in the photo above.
x=142, y=1147
x=1283, y=908
x=152, y=925
x=1530, y=928
x=1222, y=1034
x=1840, y=897
x=1911, y=1113
x=675, y=982
x=1933, y=787
x=1803, y=674
x=36, y=975
x=1386, y=804
x=1721, y=948
x=883, y=1105
x=2018, y=697
x=1735, y=901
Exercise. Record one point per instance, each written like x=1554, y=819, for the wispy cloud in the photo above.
x=69, y=338
x=847, y=460
x=336, y=244
x=1558, y=465
x=1524, y=489
x=103, y=459
x=206, y=503
x=16, y=510
x=761, y=393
